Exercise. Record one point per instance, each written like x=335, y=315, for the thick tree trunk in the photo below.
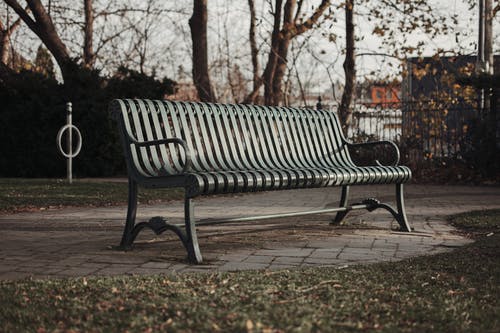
x=272, y=60
x=279, y=74
x=284, y=44
x=349, y=66
x=198, y=25
x=88, y=33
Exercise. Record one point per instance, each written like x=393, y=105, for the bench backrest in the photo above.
x=229, y=137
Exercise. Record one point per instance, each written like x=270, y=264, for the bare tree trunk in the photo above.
x=254, y=52
x=275, y=69
x=488, y=36
x=280, y=43
x=272, y=60
x=349, y=66
x=43, y=27
x=4, y=45
x=5, y=33
x=284, y=44
x=198, y=25
x=88, y=33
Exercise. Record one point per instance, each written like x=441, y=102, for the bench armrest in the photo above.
x=187, y=163
x=375, y=143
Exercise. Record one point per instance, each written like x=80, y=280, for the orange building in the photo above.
x=384, y=94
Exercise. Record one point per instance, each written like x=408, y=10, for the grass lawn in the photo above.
x=457, y=291
x=17, y=194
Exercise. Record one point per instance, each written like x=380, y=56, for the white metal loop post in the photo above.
x=69, y=142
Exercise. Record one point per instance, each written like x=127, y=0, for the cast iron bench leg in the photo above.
x=191, y=241
x=343, y=203
x=401, y=216
x=128, y=238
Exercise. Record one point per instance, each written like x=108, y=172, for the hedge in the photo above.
x=33, y=109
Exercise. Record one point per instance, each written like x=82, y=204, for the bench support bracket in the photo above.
x=159, y=225
x=371, y=204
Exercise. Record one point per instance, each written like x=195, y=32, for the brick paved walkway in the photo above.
x=79, y=241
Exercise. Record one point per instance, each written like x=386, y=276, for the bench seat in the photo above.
x=233, y=181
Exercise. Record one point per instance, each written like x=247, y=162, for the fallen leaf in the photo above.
x=249, y=326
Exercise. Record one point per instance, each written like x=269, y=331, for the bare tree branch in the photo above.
x=299, y=9
x=23, y=14
x=298, y=29
x=43, y=27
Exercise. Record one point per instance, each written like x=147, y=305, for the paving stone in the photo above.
x=156, y=264
x=288, y=252
x=383, y=244
x=259, y=259
x=329, y=244
x=279, y=267
x=242, y=266
x=234, y=257
x=350, y=256
x=116, y=269
x=386, y=253
x=293, y=261
x=14, y=275
x=147, y=271
x=356, y=250
x=320, y=261
x=78, y=271
x=326, y=253
x=282, y=245
x=196, y=269
x=177, y=268
x=71, y=261
x=4, y=269
x=361, y=244
x=32, y=270
x=120, y=259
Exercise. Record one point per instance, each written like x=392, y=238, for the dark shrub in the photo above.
x=33, y=109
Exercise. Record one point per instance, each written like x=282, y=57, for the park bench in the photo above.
x=224, y=148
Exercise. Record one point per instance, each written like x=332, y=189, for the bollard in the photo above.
x=69, y=142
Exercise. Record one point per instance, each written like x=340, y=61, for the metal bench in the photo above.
x=222, y=148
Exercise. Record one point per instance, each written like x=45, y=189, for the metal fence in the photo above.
x=424, y=129
x=375, y=122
